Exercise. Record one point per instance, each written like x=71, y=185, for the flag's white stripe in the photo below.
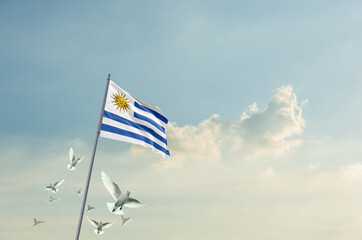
x=133, y=135
x=130, y=117
x=161, y=117
x=123, y=132
x=132, y=129
x=150, y=121
x=153, y=107
x=131, y=140
x=150, y=116
x=130, y=123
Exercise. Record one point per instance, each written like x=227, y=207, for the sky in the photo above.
x=263, y=101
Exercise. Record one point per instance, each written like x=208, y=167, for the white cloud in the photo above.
x=269, y=172
x=313, y=166
x=272, y=130
x=200, y=143
x=352, y=172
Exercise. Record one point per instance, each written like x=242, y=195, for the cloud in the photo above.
x=272, y=130
x=200, y=143
x=313, y=166
x=269, y=172
x=352, y=172
x=261, y=194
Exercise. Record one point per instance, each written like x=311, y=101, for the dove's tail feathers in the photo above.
x=98, y=232
x=117, y=211
x=110, y=206
x=70, y=167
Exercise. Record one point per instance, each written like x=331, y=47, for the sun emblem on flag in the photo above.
x=120, y=101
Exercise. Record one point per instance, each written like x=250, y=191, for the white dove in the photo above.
x=124, y=220
x=54, y=187
x=99, y=226
x=79, y=191
x=73, y=160
x=36, y=222
x=89, y=208
x=122, y=199
x=52, y=199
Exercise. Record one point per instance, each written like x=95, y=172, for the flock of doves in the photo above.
x=122, y=199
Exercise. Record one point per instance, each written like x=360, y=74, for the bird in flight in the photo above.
x=99, y=226
x=79, y=192
x=73, y=160
x=54, y=187
x=52, y=199
x=89, y=208
x=36, y=222
x=124, y=220
x=122, y=199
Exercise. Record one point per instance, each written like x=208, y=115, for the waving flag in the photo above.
x=128, y=119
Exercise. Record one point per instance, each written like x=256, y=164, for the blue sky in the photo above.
x=193, y=59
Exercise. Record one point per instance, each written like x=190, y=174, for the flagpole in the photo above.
x=92, y=161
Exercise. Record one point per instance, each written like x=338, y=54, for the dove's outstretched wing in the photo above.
x=107, y=225
x=57, y=184
x=93, y=222
x=71, y=155
x=80, y=159
x=111, y=187
x=133, y=203
x=36, y=222
x=124, y=220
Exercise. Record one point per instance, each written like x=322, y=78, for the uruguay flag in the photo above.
x=128, y=119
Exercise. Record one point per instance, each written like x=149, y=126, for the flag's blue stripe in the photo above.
x=149, y=120
x=133, y=124
x=129, y=134
x=153, y=112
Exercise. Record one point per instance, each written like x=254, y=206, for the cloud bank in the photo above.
x=270, y=130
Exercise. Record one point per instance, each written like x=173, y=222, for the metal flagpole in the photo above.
x=92, y=160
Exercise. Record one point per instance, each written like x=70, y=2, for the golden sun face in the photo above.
x=120, y=101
